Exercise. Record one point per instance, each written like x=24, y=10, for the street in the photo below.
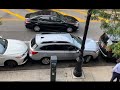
x=13, y=28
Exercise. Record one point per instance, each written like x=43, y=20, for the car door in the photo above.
x=45, y=24
x=71, y=52
x=2, y=59
x=57, y=24
x=52, y=50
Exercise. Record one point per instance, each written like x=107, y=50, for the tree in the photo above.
x=110, y=23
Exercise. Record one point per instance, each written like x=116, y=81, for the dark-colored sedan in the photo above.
x=47, y=20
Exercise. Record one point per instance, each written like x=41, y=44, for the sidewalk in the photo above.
x=99, y=73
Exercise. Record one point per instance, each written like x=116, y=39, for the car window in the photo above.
x=78, y=39
x=3, y=45
x=58, y=47
x=34, y=19
x=71, y=48
x=44, y=17
x=1, y=49
x=44, y=20
x=48, y=47
x=55, y=19
x=33, y=42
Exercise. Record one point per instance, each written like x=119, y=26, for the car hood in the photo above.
x=15, y=47
x=90, y=45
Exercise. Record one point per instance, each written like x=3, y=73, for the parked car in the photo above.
x=64, y=45
x=47, y=20
x=12, y=52
x=104, y=41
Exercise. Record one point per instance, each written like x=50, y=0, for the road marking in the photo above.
x=10, y=19
x=81, y=12
x=79, y=19
x=14, y=14
x=85, y=13
x=30, y=10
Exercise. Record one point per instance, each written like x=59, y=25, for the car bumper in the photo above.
x=24, y=59
x=96, y=54
x=102, y=52
x=29, y=26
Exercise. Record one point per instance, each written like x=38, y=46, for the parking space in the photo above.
x=13, y=28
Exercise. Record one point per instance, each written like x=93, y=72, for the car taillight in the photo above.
x=33, y=52
x=27, y=20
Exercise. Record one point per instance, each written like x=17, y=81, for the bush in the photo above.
x=116, y=49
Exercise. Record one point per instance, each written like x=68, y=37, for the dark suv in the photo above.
x=104, y=41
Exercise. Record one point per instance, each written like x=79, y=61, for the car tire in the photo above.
x=37, y=28
x=69, y=30
x=87, y=58
x=45, y=61
x=10, y=63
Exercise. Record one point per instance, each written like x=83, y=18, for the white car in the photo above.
x=12, y=52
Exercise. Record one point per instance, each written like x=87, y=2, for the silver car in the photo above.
x=12, y=52
x=64, y=45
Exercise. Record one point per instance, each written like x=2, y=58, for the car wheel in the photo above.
x=87, y=58
x=10, y=63
x=69, y=30
x=36, y=28
x=45, y=61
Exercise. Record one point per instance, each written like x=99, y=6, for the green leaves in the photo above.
x=116, y=49
x=110, y=23
x=100, y=13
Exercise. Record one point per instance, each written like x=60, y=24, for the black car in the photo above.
x=104, y=41
x=47, y=20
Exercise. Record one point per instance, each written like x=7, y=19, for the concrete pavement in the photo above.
x=97, y=73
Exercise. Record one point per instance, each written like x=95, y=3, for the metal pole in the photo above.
x=78, y=68
x=53, y=64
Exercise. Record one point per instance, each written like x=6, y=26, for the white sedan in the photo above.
x=12, y=52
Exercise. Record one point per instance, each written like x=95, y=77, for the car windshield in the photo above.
x=3, y=45
x=77, y=41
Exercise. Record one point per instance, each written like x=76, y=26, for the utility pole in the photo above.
x=78, y=68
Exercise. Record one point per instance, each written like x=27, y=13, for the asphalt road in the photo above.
x=13, y=28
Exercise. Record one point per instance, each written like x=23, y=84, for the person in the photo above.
x=116, y=72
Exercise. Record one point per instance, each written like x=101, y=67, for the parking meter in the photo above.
x=53, y=63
